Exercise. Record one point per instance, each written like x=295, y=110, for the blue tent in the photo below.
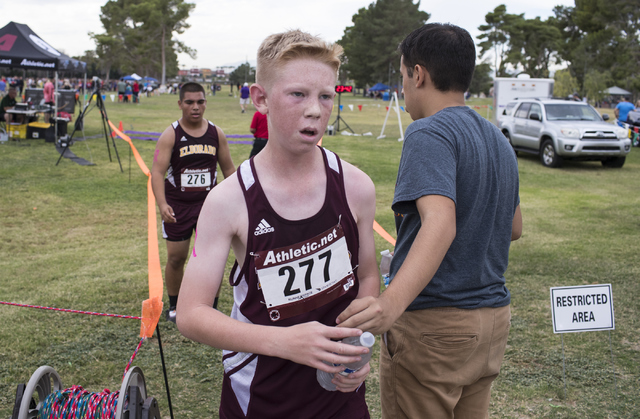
x=128, y=78
x=150, y=79
x=378, y=87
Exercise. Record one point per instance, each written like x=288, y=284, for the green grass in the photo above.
x=75, y=237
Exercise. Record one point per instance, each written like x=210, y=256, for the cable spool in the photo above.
x=132, y=399
x=134, y=377
x=41, y=383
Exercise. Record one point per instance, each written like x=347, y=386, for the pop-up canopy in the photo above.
x=20, y=47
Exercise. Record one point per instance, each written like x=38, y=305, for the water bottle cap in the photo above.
x=367, y=339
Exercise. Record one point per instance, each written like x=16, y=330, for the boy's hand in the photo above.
x=168, y=216
x=311, y=343
x=370, y=314
x=351, y=382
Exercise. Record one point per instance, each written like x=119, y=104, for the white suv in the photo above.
x=561, y=129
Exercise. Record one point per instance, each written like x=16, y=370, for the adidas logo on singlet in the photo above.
x=263, y=228
x=183, y=138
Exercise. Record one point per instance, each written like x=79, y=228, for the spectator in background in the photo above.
x=622, y=110
x=244, y=96
x=3, y=87
x=127, y=93
x=136, y=91
x=122, y=88
x=49, y=99
x=260, y=131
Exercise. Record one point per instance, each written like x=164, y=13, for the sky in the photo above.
x=229, y=32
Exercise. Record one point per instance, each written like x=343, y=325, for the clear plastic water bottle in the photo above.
x=385, y=264
x=367, y=340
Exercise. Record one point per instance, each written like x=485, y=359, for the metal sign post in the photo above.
x=583, y=309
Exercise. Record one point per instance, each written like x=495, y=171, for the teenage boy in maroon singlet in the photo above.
x=187, y=152
x=299, y=221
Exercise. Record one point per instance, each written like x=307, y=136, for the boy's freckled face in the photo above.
x=300, y=101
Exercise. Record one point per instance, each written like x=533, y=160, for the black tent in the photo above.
x=20, y=47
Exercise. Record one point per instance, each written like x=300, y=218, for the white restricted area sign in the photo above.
x=582, y=308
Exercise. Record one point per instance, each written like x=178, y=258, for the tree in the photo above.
x=534, y=45
x=602, y=37
x=482, y=80
x=109, y=51
x=161, y=19
x=139, y=35
x=595, y=83
x=94, y=65
x=243, y=74
x=496, y=37
x=371, y=44
x=564, y=83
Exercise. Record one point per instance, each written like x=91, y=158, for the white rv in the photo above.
x=507, y=90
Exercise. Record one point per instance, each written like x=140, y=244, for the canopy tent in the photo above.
x=151, y=79
x=617, y=91
x=20, y=47
x=131, y=77
x=378, y=87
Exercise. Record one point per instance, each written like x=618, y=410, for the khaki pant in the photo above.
x=439, y=363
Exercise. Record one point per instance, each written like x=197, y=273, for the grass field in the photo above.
x=75, y=237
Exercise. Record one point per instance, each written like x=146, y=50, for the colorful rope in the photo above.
x=71, y=311
x=126, y=369
x=77, y=403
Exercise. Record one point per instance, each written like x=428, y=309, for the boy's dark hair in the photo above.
x=191, y=87
x=446, y=51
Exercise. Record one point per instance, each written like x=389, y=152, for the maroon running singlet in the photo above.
x=192, y=168
x=294, y=272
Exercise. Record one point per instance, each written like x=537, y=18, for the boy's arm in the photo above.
x=377, y=315
x=161, y=161
x=222, y=223
x=224, y=155
x=361, y=196
x=516, y=225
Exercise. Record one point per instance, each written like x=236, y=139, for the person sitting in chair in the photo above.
x=9, y=102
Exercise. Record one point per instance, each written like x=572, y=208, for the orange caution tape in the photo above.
x=151, y=308
x=378, y=229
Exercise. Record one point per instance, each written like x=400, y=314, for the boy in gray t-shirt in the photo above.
x=460, y=155
x=446, y=311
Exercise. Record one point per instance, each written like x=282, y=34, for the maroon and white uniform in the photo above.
x=192, y=168
x=294, y=272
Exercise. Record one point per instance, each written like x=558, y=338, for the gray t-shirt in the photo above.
x=458, y=154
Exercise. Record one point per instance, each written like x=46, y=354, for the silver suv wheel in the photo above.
x=548, y=155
